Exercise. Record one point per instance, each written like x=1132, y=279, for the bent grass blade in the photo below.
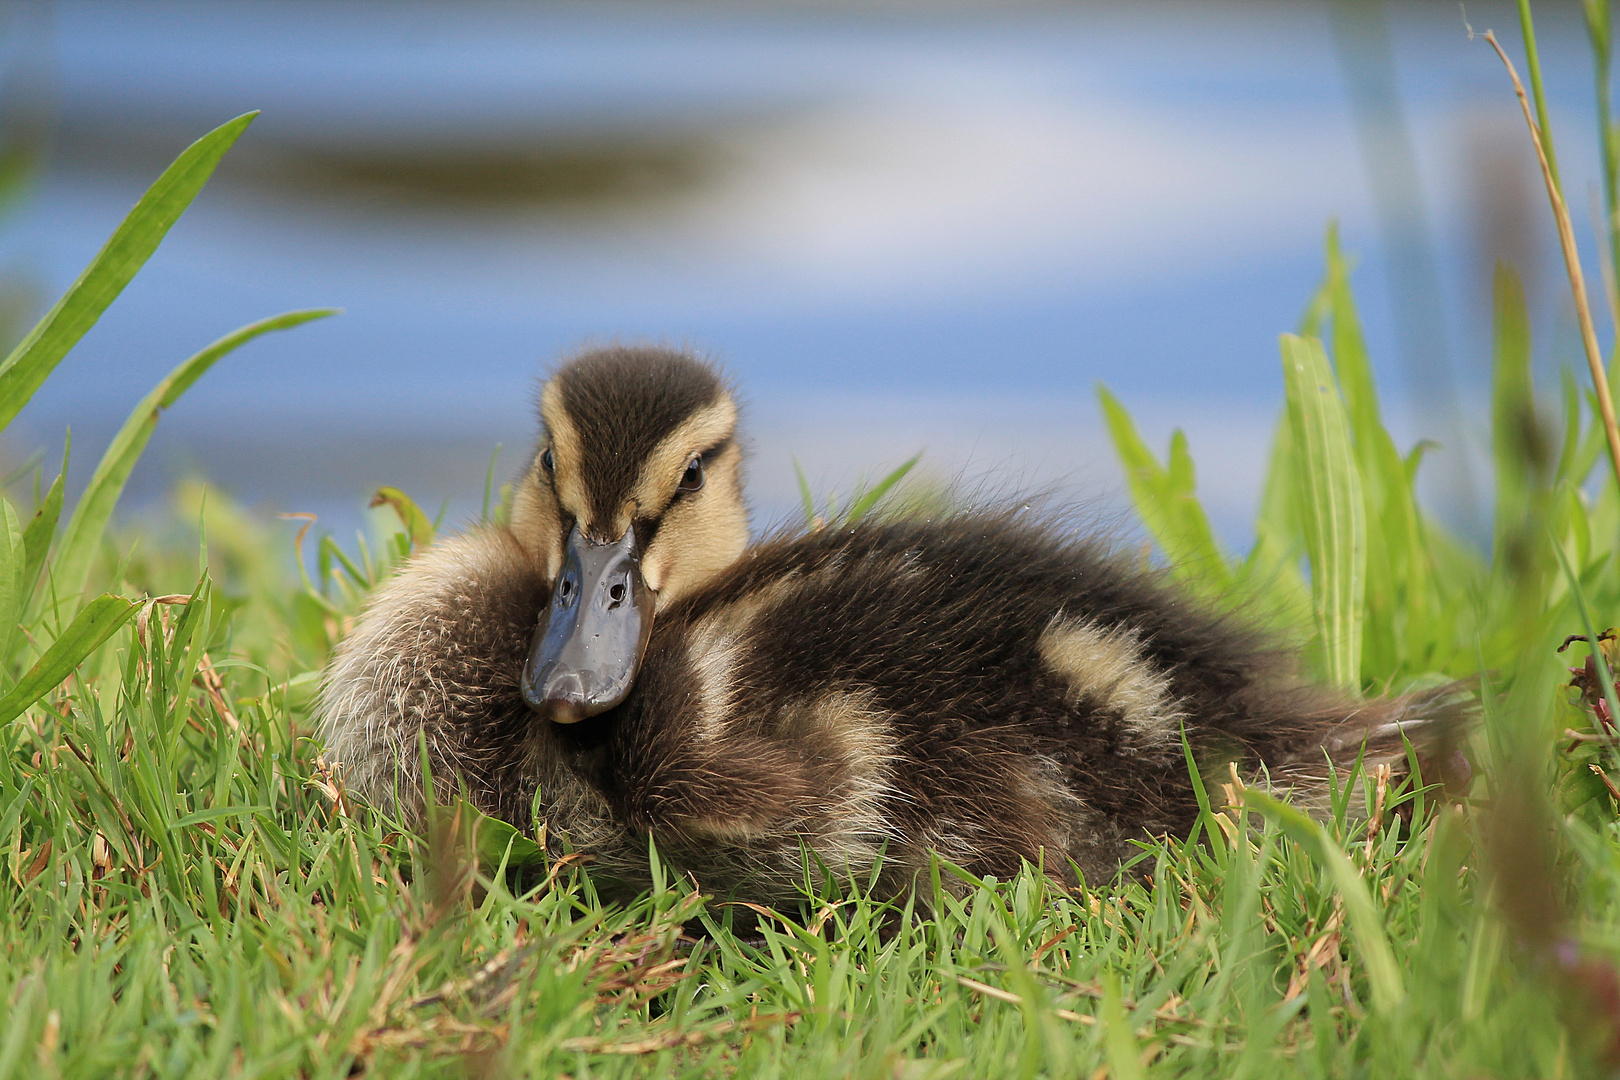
x=95, y=506
x=99, y=620
x=125, y=252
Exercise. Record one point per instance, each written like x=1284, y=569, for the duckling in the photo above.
x=617, y=663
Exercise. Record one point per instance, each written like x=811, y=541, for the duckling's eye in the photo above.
x=546, y=461
x=692, y=478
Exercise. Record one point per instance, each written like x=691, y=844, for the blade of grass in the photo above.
x=1396, y=588
x=216, y=813
x=13, y=563
x=1349, y=346
x=125, y=252
x=329, y=549
x=804, y=494
x=1124, y=1056
x=1566, y=241
x=1598, y=34
x=417, y=526
x=1206, y=816
x=489, y=483
x=864, y=504
x=41, y=530
x=99, y=620
x=1272, y=568
x=1331, y=505
x=1532, y=57
x=95, y=506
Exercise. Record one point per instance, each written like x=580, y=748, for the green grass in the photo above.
x=185, y=890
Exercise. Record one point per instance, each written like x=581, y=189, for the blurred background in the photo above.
x=900, y=227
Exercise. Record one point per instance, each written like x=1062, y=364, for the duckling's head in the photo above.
x=633, y=500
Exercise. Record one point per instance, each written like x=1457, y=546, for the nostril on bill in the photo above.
x=616, y=594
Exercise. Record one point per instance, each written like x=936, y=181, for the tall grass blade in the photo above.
x=1124, y=1056
x=1532, y=56
x=1578, y=451
x=41, y=530
x=125, y=252
x=99, y=620
x=1348, y=344
x=95, y=506
x=13, y=567
x=864, y=504
x=1330, y=503
x=805, y=496
x=489, y=484
x=1598, y=35
x=1540, y=138
x=1206, y=816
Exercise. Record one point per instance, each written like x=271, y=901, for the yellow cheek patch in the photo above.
x=537, y=522
x=567, y=453
x=699, y=536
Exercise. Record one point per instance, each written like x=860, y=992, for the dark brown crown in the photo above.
x=623, y=401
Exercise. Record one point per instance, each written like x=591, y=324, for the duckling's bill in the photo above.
x=590, y=641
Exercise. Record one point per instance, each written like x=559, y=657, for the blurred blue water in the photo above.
x=913, y=227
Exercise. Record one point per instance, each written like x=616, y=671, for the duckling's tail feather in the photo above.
x=1430, y=727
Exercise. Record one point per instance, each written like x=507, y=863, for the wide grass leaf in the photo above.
x=125, y=252
x=95, y=507
x=1330, y=505
x=99, y=620
x=498, y=842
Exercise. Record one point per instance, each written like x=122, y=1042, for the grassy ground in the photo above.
x=185, y=890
